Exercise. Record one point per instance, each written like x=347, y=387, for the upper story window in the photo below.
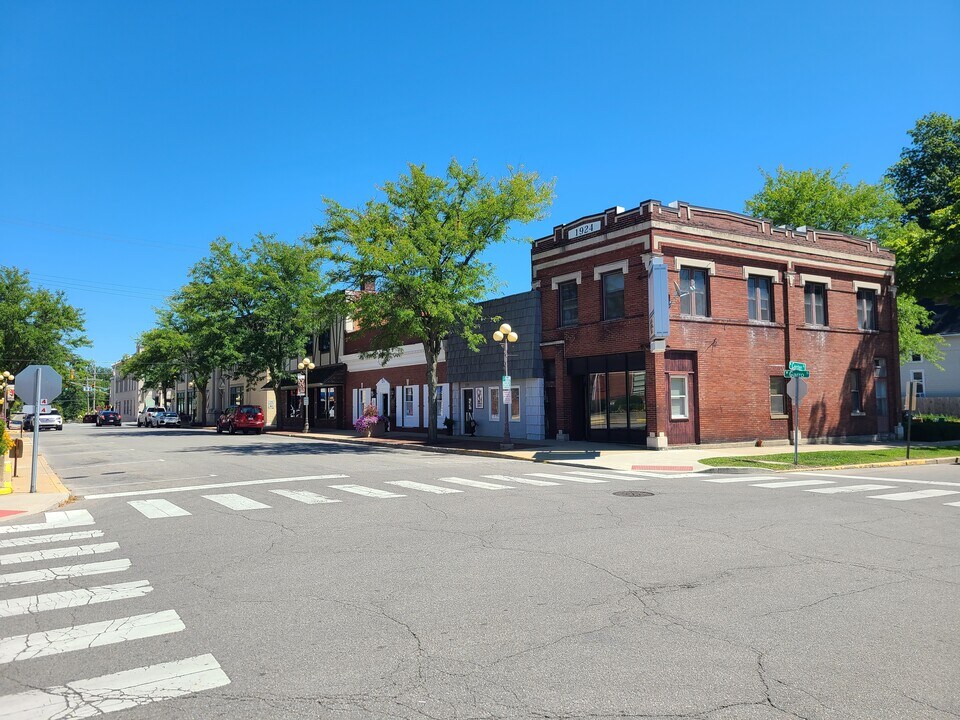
x=916, y=358
x=569, y=312
x=325, y=341
x=856, y=400
x=693, y=292
x=613, y=306
x=759, y=303
x=866, y=309
x=815, y=303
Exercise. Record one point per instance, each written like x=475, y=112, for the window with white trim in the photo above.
x=679, y=402
x=778, y=395
x=494, y=403
x=759, y=298
x=515, y=404
x=916, y=358
x=408, y=400
x=567, y=293
x=917, y=377
x=866, y=309
x=856, y=400
x=815, y=303
x=693, y=292
x=613, y=305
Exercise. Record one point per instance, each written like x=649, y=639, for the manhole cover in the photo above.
x=633, y=493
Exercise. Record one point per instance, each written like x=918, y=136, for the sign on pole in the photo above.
x=797, y=389
x=506, y=382
x=796, y=373
x=794, y=365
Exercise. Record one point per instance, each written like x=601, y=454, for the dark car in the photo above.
x=245, y=418
x=90, y=417
x=109, y=417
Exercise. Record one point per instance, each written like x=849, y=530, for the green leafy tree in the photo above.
x=925, y=177
x=274, y=297
x=419, y=249
x=74, y=400
x=158, y=361
x=824, y=199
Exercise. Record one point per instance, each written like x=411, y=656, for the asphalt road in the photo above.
x=288, y=584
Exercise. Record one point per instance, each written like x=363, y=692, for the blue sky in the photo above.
x=132, y=134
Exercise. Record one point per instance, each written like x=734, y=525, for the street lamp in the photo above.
x=4, y=404
x=305, y=366
x=506, y=335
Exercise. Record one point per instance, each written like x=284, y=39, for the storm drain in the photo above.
x=633, y=493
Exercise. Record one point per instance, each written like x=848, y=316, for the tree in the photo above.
x=824, y=199
x=419, y=250
x=37, y=326
x=925, y=177
x=158, y=360
x=273, y=295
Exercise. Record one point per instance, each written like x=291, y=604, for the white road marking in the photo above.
x=157, y=508
x=411, y=485
x=521, y=480
x=916, y=495
x=100, y=465
x=33, y=604
x=740, y=479
x=475, y=483
x=794, y=483
x=366, y=491
x=148, y=482
x=569, y=478
x=305, y=496
x=953, y=504
x=60, y=519
x=212, y=486
x=850, y=489
x=54, y=553
x=612, y=475
x=56, y=537
x=236, y=502
x=63, y=573
x=645, y=474
x=118, y=691
x=946, y=483
x=81, y=637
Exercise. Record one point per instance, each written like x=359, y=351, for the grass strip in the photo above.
x=833, y=458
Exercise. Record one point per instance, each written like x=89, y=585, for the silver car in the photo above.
x=166, y=419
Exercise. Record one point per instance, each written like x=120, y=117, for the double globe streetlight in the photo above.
x=506, y=335
x=4, y=404
x=304, y=366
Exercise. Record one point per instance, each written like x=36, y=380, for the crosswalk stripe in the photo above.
x=794, y=483
x=639, y=474
x=32, y=604
x=411, y=485
x=569, y=478
x=81, y=637
x=53, y=553
x=945, y=483
x=56, y=537
x=850, y=489
x=915, y=495
x=612, y=475
x=521, y=480
x=212, y=486
x=63, y=573
x=157, y=508
x=475, y=483
x=117, y=691
x=740, y=479
x=59, y=519
x=305, y=496
x=236, y=502
x=366, y=491
x=953, y=504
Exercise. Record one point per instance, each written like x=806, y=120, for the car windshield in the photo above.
x=249, y=409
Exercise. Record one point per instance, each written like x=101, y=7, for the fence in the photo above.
x=939, y=406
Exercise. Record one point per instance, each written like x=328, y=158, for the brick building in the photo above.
x=743, y=299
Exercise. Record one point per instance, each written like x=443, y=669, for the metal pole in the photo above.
x=796, y=421
x=507, y=445
x=36, y=434
x=909, y=422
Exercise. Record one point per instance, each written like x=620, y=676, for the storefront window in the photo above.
x=598, y=400
x=236, y=395
x=617, y=399
x=678, y=397
x=494, y=403
x=515, y=404
x=181, y=402
x=638, y=399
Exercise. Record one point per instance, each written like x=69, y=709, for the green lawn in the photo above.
x=832, y=458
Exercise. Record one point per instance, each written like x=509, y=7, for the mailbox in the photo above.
x=16, y=450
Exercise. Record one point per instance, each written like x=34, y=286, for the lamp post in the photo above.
x=7, y=381
x=305, y=366
x=506, y=335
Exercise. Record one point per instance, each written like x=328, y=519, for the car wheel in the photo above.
x=60, y=428
x=232, y=430
x=258, y=430
x=219, y=429
x=139, y=424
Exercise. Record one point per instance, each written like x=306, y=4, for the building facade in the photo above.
x=126, y=394
x=742, y=299
x=935, y=382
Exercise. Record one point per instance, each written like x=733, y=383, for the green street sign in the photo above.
x=796, y=373
x=794, y=365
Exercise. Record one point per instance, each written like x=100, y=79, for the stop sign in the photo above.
x=50, y=383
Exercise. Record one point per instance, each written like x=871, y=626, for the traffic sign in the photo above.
x=794, y=365
x=796, y=389
x=50, y=383
x=506, y=382
x=796, y=373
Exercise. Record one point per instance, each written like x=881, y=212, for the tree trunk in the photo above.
x=431, y=355
x=277, y=406
x=203, y=405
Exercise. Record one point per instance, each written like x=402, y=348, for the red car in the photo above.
x=245, y=418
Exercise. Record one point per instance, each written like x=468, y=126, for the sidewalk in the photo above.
x=50, y=491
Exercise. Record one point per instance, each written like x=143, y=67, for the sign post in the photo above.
x=909, y=408
x=40, y=384
x=797, y=389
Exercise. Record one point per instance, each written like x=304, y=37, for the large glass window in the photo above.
x=408, y=400
x=693, y=292
x=679, y=406
x=638, y=398
x=325, y=341
x=181, y=402
x=778, y=391
x=815, y=303
x=866, y=309
x=613, y=307
x=515, y=404
x=759, y=306
x=569, y=312
x=617, y=399
x=598, y=400
x=236, y=395
x=494, y=403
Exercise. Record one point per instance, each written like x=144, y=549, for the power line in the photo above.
x=87, y=281
x=93, y=235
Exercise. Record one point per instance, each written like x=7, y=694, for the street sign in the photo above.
x=506, y=382
x=910, y=399
x=796, y=373
x=506, y=398
x=796, y=389
x=50, y=383
x=794, y=365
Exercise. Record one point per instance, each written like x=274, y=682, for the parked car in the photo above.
x=48, y=421
x=109, y=417
x=245, y=418
x=145, y=418
x=166, y=419
x=90, y=417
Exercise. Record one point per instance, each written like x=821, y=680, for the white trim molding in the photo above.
x=761, y=272
x=860, y=285
x=679, y=262
x=819, y=279
x=557, y=279
x=621, y=265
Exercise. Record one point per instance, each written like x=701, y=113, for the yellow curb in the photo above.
x=52, y=476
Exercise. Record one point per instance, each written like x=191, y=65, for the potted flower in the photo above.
x=371, y=422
